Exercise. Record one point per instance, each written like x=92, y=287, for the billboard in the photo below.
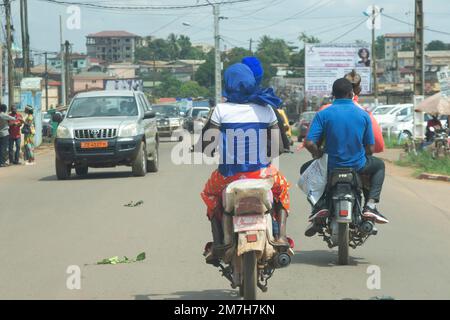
x=326, y=63
x=124, y=84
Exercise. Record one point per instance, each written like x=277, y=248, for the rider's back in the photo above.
x=244, y=124
x=347, y=129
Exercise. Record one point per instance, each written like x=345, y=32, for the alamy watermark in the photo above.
x=73, y=22
x=73, y=281
x=374, y=280
x=230, y=146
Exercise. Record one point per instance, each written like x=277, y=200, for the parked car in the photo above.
x=191, y=115
x=389, y=115
x=169, y=120
x=405, y=126
x=200, y=120
x=107, y=129
x=303, y=124
x=46, y=124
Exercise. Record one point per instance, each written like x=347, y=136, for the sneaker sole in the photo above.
x=321, y=214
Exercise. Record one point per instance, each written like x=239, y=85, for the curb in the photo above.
x=437, y=177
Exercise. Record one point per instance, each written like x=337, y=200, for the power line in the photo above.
x=347, y=32
x=307, y=10
x=138, y=7
x=411, y=24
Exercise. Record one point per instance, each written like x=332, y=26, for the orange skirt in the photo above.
x=212, y=192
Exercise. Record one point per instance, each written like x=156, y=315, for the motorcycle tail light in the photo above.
x=291, y=243
x=343, y=213
x=252, y=237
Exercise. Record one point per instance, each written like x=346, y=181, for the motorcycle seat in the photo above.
x=248, y=196
x=344, y=175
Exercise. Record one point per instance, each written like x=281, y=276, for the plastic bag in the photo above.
x=314, y=180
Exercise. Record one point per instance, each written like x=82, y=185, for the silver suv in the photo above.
x=106, y=129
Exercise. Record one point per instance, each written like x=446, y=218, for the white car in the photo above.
x=405, y=126
x=390, y=115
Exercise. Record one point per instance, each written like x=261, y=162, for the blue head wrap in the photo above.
x=255, y=65
x=241, y=87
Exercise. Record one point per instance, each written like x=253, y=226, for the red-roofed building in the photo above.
x=112, y=46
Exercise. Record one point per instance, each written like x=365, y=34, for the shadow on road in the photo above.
x=192, y=295
x=93, y=176
x=323, y=258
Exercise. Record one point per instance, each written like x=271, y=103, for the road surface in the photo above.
x=48, y=225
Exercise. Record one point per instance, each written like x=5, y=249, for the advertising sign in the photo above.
x=124, y=84
x=324, y=64
x=444, y=81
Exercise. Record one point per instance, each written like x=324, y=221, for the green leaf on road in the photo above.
x=125, y=259
x=141, y=256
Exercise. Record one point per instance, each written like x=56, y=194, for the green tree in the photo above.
x=379, y=47
x=407, y=46
x=205, y=73
x=169, y=86
x=192, y=89
x=173, y=48
x=276, y=50
x=437, y=45
x=303, y=37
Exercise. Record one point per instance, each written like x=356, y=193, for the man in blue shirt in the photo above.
x=349, y=143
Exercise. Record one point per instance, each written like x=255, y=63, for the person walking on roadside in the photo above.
x=4, y=134
x=15, y=136
x=28, y=131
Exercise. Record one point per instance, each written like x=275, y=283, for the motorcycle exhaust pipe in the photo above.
x=282, y=260
x=366, y=227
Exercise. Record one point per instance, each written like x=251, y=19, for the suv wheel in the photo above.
x=153, y=165
x=63, y=170
x=139, y=165
x=81, y=170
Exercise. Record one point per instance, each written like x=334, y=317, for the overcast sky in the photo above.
x=326, y=19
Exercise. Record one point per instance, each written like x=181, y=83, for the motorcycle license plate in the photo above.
x=249, y=223
x=94, y=144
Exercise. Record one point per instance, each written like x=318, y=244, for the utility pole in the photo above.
x=7, y=4
x=25, y=37
x=67, y=64
x=218, y=63
x=374, y=56
x=63, y=76
x=251, y=45
x=419, y=54
x=46, y=82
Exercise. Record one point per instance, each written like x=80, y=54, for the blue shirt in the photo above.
x=243, y=142
x=347, y=129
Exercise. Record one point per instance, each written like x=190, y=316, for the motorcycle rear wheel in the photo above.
x=343, y=241
x=249, y=275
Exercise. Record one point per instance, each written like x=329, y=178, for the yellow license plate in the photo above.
x=94, y=144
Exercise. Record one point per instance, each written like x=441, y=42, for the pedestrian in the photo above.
x=4, y=134
x=28, y=131
x=15, y=136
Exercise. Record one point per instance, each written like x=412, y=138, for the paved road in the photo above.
x=47, y=225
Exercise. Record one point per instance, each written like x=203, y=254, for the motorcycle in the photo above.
x=441, y=143
x=249, y=254
x=344, y=227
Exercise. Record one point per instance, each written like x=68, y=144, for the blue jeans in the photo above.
x=14, y=156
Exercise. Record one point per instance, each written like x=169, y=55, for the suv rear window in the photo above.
x=103, y=107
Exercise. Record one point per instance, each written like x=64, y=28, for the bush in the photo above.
x=424, y=162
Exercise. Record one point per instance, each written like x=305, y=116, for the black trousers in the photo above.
x=4, y=143
x=374, y=168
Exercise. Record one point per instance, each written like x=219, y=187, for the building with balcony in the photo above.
x=112, y=46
